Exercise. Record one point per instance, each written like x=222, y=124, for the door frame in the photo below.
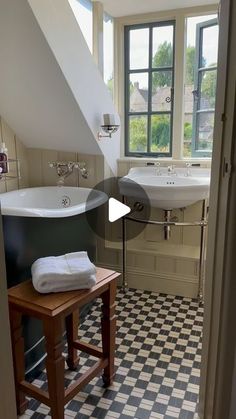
x=219, y=340
x=7, y=388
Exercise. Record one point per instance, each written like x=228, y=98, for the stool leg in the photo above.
x=55, y=365
x=18, y=358
x=109, y=332
x=72, y=324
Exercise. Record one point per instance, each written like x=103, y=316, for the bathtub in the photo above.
x=40, y=222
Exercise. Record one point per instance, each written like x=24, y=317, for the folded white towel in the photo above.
x=63, y=273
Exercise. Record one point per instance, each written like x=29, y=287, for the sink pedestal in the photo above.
x=167, y=223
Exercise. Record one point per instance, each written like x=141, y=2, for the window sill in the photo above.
x=204, y=162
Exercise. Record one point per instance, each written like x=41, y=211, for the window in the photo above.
x=149, y=79
x=200, y=86
x=84, y=15
x=108, y=52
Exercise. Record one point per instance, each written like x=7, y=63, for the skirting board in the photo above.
x=159, y=283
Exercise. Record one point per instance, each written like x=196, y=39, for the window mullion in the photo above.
x=149, y=92
x=178, y=84
x=198, y=111
x=98, y=35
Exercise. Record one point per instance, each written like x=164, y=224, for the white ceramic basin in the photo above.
x=164, y=190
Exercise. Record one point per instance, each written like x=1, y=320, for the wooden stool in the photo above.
x=57, y=312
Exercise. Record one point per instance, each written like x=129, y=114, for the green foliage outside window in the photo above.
x=138, y=134
x=160, y=134
x=190, y=59
x=188, y=132
x=162, y=58
x=209, y=87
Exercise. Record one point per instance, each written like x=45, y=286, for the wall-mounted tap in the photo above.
x=65, y=168
x=83, y=169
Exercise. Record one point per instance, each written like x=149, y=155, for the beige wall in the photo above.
x=40, y=174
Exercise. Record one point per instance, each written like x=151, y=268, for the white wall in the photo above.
x=36, y=98
x=60, y=27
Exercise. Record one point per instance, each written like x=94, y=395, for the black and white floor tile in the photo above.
x=158, y=356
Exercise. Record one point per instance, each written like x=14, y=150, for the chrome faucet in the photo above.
x=157, y=165
x=158, y=171
x=65, y=168
x=188, y=171
x=171, y=170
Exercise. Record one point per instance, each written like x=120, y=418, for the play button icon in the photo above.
x=116, y=210
x=105, y=216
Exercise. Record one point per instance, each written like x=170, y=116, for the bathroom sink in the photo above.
x=178, y=189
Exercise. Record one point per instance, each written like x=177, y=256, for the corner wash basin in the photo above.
x=178, y=189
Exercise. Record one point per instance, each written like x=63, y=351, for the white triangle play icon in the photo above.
x=116, y=210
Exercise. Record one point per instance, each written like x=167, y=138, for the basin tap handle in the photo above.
x=188, y=172
x=158, y=166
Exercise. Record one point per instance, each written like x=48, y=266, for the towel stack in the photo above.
x=71, y=271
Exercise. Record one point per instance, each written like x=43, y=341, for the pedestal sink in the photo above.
x=166, y=189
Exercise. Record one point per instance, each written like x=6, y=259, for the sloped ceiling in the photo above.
x=44, y=95
x=118, y=8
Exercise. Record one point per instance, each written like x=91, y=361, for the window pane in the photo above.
x=208, y=89
x=161, y=90
x=138, y=86
x=138, y=133
x=160, y=132
x=209, y=46
x=139, y=48
x=108, y=47
x=148, y=90
x=190, y=55
x=83, y=13
x=205, y=127
x=162, y=52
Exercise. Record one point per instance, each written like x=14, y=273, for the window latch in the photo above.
x=227, y=168
x=195, y=94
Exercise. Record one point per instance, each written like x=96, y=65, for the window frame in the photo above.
x=88, y=5
x=105, y=14
x=150, y=70
x=199, y=70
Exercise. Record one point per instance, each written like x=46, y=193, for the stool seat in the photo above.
x=60, y=311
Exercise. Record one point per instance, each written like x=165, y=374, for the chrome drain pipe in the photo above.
x=167, y=218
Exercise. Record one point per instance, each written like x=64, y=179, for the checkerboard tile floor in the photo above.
x=158, y=356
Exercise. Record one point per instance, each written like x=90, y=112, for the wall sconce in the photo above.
x=109, y=126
